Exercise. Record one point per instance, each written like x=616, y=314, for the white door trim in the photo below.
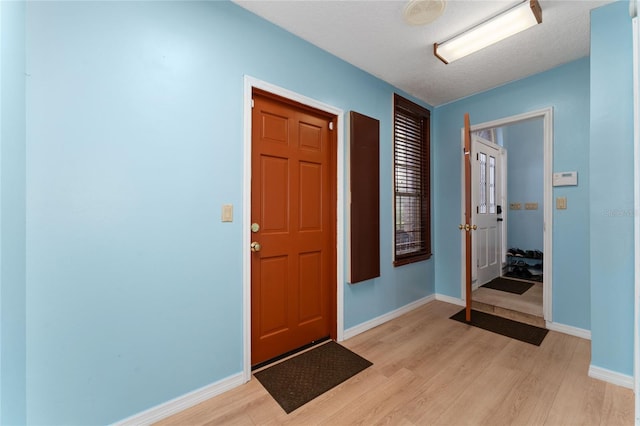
x=547, y=116
x=636, y=216
x=249, y=84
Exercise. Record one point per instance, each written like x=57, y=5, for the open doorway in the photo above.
x=518, y=285
x=518, y=195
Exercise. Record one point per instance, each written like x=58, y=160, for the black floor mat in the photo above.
x=514, y=329
x=298, y=380
x=510, y=286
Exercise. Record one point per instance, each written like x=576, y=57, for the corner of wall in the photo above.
x=12, y=214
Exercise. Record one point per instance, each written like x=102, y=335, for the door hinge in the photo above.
x=252, y=103
x=331, y=125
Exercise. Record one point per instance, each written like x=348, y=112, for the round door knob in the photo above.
x=255, y=246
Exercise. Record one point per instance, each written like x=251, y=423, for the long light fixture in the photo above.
x=518, y=18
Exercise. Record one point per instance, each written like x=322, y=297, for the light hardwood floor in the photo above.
x=430, y=370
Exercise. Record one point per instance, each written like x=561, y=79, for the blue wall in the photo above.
x=612, y=208
x=12, y=213
x=566, y=89
x=134, y=141
x=525, y=174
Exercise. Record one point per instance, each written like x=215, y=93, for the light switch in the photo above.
x=227, y=212
x=561, y=203
x=531, y=206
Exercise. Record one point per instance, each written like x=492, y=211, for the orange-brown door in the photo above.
x=293, y=274
x=467, y=214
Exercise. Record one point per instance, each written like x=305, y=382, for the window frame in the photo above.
x=405, y=108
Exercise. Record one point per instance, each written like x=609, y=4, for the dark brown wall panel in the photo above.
x=365, y=197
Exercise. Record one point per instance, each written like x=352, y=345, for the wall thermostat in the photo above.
x=565, y=179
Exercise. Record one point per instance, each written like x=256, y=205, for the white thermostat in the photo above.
x=565, y=179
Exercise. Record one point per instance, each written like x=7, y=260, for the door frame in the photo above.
x=636, y=196
x=249, y=84
x=546, y=114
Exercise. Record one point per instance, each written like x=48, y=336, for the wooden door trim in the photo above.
x=546, y=114
x=251, y=83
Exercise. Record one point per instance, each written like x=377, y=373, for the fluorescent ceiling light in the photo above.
x=518, y=18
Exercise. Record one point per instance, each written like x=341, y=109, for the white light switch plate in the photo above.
x=561, y=203
x=227, y=212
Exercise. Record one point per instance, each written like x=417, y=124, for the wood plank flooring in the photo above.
x=430, y=370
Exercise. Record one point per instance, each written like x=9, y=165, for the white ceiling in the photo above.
x=372, y=35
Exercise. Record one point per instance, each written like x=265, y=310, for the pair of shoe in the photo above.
x=533, y=254
x=521, y=272
x=515, y=252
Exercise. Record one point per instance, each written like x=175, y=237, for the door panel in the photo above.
x=486, y=169
x=293, y=202
x=275, y=203
x=272, y=291
x=310, y=206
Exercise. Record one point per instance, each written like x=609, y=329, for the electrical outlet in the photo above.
x=515, y=206
x=531, y=206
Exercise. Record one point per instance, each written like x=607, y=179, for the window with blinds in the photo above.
x=411, y=182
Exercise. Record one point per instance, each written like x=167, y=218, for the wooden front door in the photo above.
x=467, y=227
x=293, y=209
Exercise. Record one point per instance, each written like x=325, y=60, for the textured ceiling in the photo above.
x=373, y=36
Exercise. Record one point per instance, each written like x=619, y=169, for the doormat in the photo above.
x=514, y=329
x=298, y=380
x=510, y=286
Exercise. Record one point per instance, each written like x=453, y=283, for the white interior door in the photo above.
x=488, y=166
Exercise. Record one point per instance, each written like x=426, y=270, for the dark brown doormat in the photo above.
x=298, y=380
x=514, y=329
x=510, y=286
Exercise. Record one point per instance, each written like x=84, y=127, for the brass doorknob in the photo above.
x=461, y=226
x=255, y=246
x=474, y=227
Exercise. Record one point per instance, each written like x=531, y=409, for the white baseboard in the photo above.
x=368, y=325
x=612, y=377
x=183, y=402
x=449, y=299
x=570, y=330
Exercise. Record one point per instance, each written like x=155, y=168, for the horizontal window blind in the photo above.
x=411, y=181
